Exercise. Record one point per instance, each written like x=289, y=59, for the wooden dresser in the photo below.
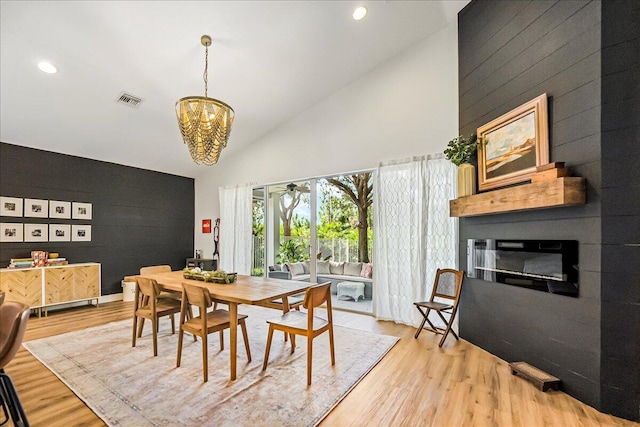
x=42, y=287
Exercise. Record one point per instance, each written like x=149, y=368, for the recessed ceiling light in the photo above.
x=47, y=67
x=359, y=13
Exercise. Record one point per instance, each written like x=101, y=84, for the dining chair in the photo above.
x=447, y=285
x=13, y=324
x=307, y=324
x=154, y=269
x=205, y=323
x=148, y=305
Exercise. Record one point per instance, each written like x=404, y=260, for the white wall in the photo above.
x=406, y=107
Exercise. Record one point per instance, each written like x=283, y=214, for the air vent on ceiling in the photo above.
x=129, y=100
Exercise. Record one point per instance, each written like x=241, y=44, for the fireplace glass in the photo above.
x=543, y=265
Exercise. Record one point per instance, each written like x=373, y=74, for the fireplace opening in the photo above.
x=543, y=265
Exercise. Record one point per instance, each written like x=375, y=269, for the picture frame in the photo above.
x=10, y=206
x=513, y=145
x=80, y=233
x=59, y=232
x=36, y=208
x=59, y=209
x=36, y=232
x=81, y=210
x=11, y=232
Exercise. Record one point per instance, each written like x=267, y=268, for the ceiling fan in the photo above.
x=295, y=187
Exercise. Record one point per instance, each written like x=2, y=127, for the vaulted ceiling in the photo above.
x=270, y=60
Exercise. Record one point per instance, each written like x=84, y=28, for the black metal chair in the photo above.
x=13, y=324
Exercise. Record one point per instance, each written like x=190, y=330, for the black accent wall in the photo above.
x=576, y=52
x=139, y=217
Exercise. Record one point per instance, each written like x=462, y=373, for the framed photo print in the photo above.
x=36, y=208
x=36, y=232
x=512, y=145
x=10, y=206
x=81, y=233
x=81, y=210
x=10, y=232
x=59, y=232
x=59, y=209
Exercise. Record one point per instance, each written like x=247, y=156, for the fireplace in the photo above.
x=543, y=265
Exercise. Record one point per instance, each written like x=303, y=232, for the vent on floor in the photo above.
x=129, y=100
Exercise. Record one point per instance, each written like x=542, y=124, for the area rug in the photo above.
x=127, y=386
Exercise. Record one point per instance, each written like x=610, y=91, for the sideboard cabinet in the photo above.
x=42, y=287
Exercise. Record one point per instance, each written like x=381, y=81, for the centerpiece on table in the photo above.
x=219, y=276
x=461, y=151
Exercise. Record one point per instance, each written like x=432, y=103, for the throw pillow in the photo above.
x=336, y=268
x=296, y=269
x=367, y=271
x=352, y=268
x=322, y=267
x=305, y=266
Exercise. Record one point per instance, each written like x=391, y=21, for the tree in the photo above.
x=293, y=198
x=359, y=189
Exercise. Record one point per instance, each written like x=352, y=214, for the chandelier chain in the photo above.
x=205, y=76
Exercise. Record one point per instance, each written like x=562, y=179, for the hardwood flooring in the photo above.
x=416, y=384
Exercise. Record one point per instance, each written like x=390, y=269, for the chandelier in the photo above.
x=205, y=123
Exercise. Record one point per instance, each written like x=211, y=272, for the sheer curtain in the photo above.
x=414, y=234
x=235, y=229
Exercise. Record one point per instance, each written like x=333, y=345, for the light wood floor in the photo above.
x=416, y=384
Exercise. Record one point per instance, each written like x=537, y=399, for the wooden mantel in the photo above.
x=564, y=191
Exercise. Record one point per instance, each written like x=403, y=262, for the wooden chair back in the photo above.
x=153, y=269
x=317, y=295
x=13, y=324
x=148, y=288
x=447, y=285
x=196, y=295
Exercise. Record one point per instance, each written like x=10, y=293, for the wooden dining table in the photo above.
x=246, y=290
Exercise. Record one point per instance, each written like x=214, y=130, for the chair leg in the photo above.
x=243, y=325
x=446, y=322
x=173, y=324
x=140, y=327
x=309, y=358
x=268, y=348
x=10, y=397
x=447, y=330
x=424, y=319
x=331, y=347
x=154, y=329
x=221, y=333
x=293, y=343
x=205, y=357
x=135, y=327
x=179, y=357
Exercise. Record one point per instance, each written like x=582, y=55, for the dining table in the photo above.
x=245, y=290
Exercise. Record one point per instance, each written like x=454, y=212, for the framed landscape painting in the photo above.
x=513, y=145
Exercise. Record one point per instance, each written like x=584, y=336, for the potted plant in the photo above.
x=461, y=151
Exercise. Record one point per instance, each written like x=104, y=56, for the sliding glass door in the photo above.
x=322, y=229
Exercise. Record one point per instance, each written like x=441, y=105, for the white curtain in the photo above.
x=414, y=235
x=235, y=229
